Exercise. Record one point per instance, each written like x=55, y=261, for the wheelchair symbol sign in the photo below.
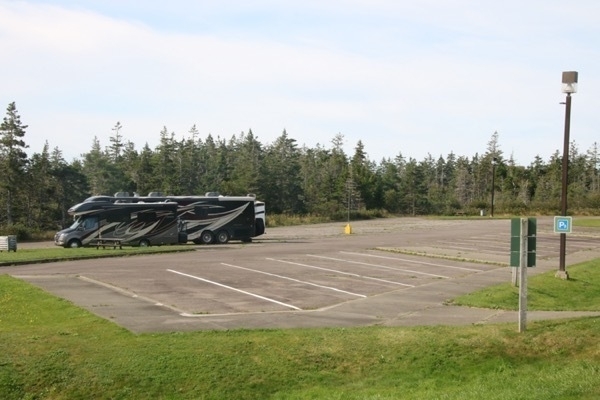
x=562, y=224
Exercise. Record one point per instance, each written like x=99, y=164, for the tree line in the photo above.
x=37, y=191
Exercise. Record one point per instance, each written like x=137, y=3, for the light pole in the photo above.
x=494, y=160
x=569, y=85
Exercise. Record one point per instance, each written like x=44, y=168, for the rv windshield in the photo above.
x=75, y=223
x=85, y=223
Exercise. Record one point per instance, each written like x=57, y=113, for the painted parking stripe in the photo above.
x=295, y=280
x=380, y=266
x=235, y=289
x=342, y=272
x=414, y=261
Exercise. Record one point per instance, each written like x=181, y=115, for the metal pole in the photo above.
x=565, y=182
x=493, y=184
x=523, y=277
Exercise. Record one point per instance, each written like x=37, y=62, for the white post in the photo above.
x=523, y=278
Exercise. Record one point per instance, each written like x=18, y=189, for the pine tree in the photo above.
x=70, y=186
x=40, y=190
x=13, y=158
x=281, y=176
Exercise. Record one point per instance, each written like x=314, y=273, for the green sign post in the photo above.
x=522, y=255
x=515, y=242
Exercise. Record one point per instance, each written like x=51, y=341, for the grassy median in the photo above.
x=545, y=292
x=51, y=349
x=53, y=254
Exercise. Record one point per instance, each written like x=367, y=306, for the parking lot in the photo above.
x=398, y=271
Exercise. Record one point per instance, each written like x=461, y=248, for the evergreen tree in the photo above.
x=412, y=189
x=189, y=163
x=116, y=144
x=281, y=176
x=96, y=166
x=365, y=178
x=70, y=186
x=463, y=183
x=336, y=173
x=593, y=169
x=145, y=178
x=40, y=190
x=13, y=159
x=213, y=164
x=246, y=157
x=390, y=185
x=166, y=165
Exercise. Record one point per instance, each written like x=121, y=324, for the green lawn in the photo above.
x=588, y=222
x=29, y=256
x=580, y=292
x=50, y=349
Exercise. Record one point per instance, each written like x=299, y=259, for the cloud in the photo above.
x=416, y=77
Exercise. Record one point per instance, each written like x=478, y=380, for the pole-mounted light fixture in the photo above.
x=569, y=86
x=569, y=82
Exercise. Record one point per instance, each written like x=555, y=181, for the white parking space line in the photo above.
x=342, y=272
x=295, y=280
x=414, y=261
x=379, y=266
x=235, y=289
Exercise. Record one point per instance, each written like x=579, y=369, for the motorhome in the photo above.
x=207, y=219
x=137, y=224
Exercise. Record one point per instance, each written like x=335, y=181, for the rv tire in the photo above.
x=74, y=244
x=207, y=237
x=144, y=243
x=222, y=237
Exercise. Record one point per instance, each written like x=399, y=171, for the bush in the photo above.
x=20, y=230
x=24, y=233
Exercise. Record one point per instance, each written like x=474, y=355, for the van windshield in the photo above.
x=75, y=223
x=85, y=223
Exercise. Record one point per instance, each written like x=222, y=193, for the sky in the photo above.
x=410, y=78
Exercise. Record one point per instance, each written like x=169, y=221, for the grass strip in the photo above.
x=545, y=292
x=45, y=255
x=53, y=350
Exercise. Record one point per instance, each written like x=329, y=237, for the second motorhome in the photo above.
x=136, y=224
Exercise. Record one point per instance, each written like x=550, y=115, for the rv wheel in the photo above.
x=222, y=237
x=74, y=244
x=144, y=243
x=207, y=237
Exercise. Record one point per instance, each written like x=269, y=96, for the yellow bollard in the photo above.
x=348, y=230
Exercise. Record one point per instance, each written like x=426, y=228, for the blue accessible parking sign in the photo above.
x=563, y=224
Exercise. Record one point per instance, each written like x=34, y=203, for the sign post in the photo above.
x=522, y=256
x=523, y=278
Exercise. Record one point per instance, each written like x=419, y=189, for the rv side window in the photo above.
x=201, y=212
x=148, y=216
x=118, y=217
x=89, y=223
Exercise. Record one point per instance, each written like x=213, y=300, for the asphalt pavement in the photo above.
x=95, y=284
